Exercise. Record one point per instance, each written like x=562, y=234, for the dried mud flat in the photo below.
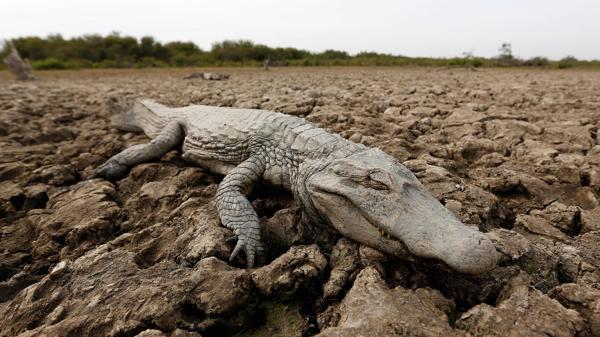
x=512, y=152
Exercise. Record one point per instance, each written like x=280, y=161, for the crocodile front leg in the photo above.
x=118, y=165
x=236, y=212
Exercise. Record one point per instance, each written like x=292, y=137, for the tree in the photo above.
x=506, y=51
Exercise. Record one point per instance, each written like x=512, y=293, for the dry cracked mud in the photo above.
x=514, y=153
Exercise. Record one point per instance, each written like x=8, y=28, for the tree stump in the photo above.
x=21, y=68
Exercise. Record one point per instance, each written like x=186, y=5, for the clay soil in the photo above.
x=514, y=153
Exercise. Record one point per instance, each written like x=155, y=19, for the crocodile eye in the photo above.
x=378, y=180
x=375, y=179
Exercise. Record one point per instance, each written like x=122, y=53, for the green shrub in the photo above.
x=538, y=61
x=567, y=62
x=53, y=64
x=477, y=62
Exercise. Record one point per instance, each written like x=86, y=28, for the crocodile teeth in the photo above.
x=384, y=234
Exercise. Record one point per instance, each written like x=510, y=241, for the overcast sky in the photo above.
x=415, y=28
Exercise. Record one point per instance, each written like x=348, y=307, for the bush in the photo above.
x=331, y=54
x=53, y=64
x=538, y=61
x=477, y=62
x=567, y=62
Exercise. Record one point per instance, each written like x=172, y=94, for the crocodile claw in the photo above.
x=253, y=250
x=111, y=170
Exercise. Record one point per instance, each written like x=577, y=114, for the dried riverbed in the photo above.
x=512, y=152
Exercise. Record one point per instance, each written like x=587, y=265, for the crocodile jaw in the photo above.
x=371, y=198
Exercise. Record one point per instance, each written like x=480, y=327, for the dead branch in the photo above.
x=21, y=68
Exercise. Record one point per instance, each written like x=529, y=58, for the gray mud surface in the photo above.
x=513, y=152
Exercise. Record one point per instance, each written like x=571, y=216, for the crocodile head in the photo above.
x=371, y=198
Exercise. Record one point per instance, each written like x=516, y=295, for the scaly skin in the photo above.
x=365, y=194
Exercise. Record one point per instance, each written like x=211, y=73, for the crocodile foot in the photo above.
x=111, y=170
x=255, y=250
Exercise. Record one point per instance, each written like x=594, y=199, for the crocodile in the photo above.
x=362, y=192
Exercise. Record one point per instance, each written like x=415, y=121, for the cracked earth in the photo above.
x=512, y=152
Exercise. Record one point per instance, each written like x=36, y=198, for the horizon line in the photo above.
x=465, y=54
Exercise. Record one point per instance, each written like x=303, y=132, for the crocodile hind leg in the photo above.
x=236, y=212
x=118, y=165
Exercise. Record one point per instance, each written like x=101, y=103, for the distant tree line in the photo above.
x=118, y=51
